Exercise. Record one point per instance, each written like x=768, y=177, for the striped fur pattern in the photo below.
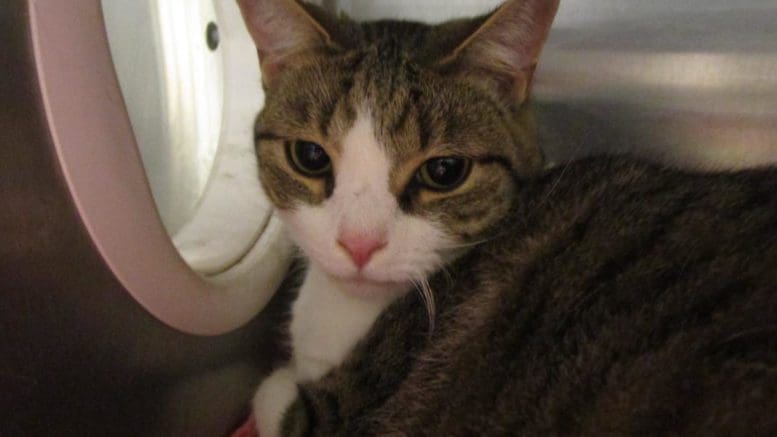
x=606, y=296
x=619, y=299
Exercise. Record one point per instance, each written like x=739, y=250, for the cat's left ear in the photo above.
x=505, y=49
x=282, y=30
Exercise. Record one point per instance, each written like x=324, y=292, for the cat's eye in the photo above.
x=444, y=174
x=309, y=158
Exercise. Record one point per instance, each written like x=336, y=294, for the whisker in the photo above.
x=469, y=244
x=431, y=305
x=555, y=184
x=422, y=286
x=448, y=275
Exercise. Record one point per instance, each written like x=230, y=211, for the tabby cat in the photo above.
x=454, y=286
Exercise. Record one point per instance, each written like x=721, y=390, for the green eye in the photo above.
x=444, y=174
x=308, y=158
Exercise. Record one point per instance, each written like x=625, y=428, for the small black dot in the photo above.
x=212, y=36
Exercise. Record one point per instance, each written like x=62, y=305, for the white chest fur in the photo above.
x=326, y=324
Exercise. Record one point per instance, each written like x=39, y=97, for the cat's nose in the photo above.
x=361, y=247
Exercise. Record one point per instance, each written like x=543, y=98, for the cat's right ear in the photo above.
x=282, y=30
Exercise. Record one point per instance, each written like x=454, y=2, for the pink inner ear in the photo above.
x=271, y=24
x=514, y=36
x=280, y=28
x=509, y=43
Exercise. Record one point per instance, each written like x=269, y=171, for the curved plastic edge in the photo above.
x=94, y=143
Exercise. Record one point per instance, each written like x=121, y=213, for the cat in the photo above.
x=455, y=286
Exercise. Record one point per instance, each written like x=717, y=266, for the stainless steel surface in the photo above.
x=690, y=82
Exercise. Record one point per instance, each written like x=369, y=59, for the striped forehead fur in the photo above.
x=386, y=70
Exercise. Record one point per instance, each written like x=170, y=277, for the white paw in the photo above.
x=276, y=393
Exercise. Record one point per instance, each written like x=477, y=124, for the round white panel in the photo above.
x=153, y=130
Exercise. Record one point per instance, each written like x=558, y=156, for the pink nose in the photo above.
x=360, y=247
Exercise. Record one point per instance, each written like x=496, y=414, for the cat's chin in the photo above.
x=365, y=287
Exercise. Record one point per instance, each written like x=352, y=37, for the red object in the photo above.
x=248, y=429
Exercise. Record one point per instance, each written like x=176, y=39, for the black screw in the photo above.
x=212, y=36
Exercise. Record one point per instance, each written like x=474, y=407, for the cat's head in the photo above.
x=390, y=147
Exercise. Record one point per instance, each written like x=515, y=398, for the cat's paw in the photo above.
x=276, y=393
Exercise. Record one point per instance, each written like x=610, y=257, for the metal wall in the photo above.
x=690, y=82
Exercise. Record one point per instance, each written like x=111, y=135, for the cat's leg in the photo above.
x=349, y=398
x=276, y=393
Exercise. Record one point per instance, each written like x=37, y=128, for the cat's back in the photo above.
x=621, y=297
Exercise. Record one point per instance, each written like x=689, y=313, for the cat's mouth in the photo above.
x=359, y=284
x=361, y=280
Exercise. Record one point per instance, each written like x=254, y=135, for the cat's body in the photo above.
x=620, y=299
x=604, y=296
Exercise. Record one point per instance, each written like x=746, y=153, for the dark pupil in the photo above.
x=311, y=156
x=446, y=171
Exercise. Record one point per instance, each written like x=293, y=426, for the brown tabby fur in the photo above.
x=619, y=298
x=605, y=297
